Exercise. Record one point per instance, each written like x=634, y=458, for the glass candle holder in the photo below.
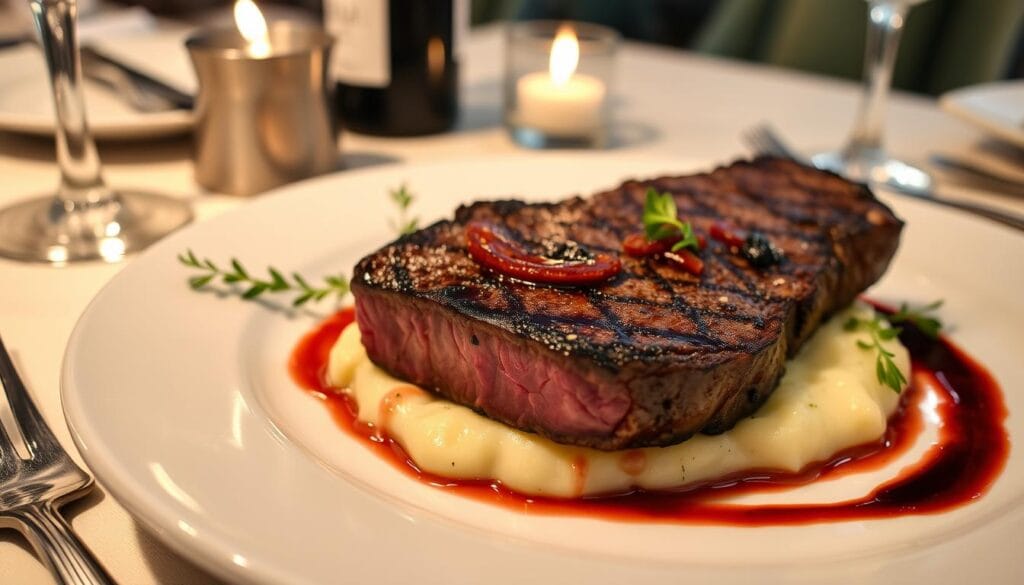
x=558, y=81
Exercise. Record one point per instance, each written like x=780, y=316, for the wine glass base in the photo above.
x=29, y=231
x=876, y=170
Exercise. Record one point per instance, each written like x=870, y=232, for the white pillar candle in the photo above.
x=561, y=102
x=572, y=108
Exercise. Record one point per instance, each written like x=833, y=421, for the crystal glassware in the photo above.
x=84, y=220
x=863, y=158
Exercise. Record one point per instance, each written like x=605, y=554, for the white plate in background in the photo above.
x=181, y=404
x=26, y=102
x=997, y=108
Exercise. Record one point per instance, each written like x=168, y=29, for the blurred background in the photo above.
x=947, y=43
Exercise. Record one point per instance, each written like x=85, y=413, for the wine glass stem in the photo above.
x=82, y=185
x=885, y=23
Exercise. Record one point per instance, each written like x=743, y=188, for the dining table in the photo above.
x=665, y=103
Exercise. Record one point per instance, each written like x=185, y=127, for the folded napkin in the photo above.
x=115, y=23
x=134, y=37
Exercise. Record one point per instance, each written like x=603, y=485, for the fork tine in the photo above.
x=756, y=137
x=781, y=149
x=765, y=140
x=755, y=141
x=37, y=435
x=9, y=458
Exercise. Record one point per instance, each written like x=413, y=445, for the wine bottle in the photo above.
x=395, y=63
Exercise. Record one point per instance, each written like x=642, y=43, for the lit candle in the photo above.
x=561, y=102
x=263, y=112
x=253, y=28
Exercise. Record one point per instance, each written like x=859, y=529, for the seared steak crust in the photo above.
x=651, y=356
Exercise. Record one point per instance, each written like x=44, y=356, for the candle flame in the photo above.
x=253, y=27
x=565, y=55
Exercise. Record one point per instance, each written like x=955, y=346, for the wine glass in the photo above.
x=863, y=158
x=85, y=219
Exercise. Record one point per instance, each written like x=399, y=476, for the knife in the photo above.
x=93, y=63
x=763, y=140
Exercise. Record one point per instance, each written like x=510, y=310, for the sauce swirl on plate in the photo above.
x=970, y=452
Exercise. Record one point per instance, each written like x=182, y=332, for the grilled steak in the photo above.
x=651, y=356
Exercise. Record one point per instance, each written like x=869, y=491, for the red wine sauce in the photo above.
x=971, y=451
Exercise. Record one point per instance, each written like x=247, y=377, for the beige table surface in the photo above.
x=667, y=102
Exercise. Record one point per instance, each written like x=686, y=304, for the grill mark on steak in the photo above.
x=680, y=304
x=594, y=298
x=740, y=317
x=651, y=356
x=742, y=277
x=515, y=304
x=629, y=332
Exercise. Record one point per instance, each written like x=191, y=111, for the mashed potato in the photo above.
x=829, y=399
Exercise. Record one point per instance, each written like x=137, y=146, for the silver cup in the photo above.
x=262, y=121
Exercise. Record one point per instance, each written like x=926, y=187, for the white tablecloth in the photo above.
x=667, y=102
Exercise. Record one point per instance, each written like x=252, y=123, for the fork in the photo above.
x=763, y=140
x=32, y=490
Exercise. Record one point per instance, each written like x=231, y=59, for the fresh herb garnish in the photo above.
x=880, y=331
x=661, y=221
x=337, y=285
x=403, y=199
x=926, y=324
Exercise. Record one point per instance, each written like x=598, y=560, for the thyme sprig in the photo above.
x=276, y=283
x=919, y=318
x=882, y=330
x=661, y=220
x=403, y=198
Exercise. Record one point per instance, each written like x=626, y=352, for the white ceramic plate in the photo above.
x=26, y=105
x=997, y=108
x=181, y=404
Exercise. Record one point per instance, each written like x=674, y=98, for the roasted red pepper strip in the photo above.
x=637, y=245
x=492, y=249
x=727, y=235
x=686, y=260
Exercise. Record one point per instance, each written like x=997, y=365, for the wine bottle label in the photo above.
x=361, y=40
